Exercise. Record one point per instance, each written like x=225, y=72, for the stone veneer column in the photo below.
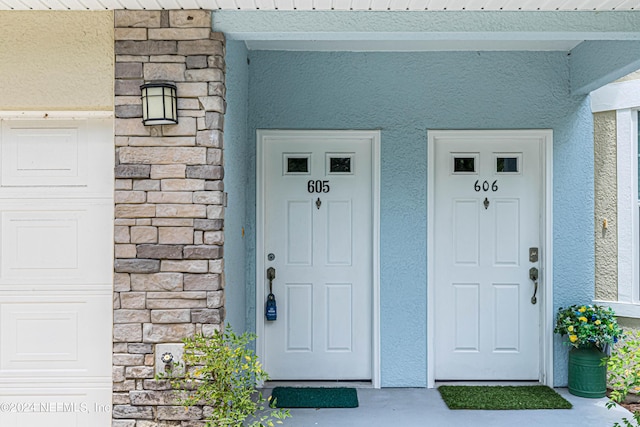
x=168, y=206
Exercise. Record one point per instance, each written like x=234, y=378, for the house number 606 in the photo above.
x=318, y=186
x=485, y=186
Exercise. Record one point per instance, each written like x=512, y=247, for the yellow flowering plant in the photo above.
x=588, y=325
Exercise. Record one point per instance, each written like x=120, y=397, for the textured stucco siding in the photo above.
x=629, y=324
x=595, y=63
x=605, y=206
x=235, y=184
x=56, y=60
x=405, y=95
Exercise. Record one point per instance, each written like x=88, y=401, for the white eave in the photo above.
x=378, y=5
x=396, y=25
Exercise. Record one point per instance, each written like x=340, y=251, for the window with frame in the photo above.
x=623, y=98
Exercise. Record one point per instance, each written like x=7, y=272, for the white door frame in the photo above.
x=262, y=136
x=546, y=240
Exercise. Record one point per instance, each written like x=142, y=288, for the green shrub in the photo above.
x=223, y=373
x=630, y=423
x=623, y=368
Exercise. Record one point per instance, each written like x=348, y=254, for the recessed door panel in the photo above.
x=45, y=156
x=507, y=232
x=507, y=317
x=339, y=322
x=467, y=316
x=47, y=336
x=339, y=232
x=299, y=317
x=54, y=244
x=299, y=232
x=465, y=232
x=57, y=238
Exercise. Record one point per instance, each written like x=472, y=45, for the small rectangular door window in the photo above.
x=340, y=163
x=465, y=163
x=507, y=165
x=296, y=164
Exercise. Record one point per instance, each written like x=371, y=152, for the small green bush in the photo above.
x=630, y=423
x=223, y=373
x=623, y=368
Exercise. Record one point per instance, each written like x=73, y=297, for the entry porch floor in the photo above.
x=408, y=407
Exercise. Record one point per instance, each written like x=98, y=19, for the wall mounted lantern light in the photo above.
x=159, y=104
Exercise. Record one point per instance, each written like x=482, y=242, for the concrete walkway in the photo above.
x=408, y=407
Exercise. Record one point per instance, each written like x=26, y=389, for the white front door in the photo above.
x=318, y=238
x=56, y=272
x=488, y=214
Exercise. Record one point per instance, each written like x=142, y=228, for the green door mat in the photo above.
x=502, y=397
x=315, y=397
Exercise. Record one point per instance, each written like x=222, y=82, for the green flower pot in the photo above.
x=587, y=378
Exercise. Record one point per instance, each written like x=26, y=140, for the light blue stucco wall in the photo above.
x=235, y=152
x=404, y=94
x=596, y=63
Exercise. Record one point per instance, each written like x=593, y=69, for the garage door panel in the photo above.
x=54, y=336
x=47, y=243
x=56, y=156
x=59, y=407
x=56, y=237
x=52, y=155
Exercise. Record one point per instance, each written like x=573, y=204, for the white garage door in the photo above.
x=56, y=217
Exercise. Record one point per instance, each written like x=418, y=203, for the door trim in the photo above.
x=546, y=240
x=262, y=136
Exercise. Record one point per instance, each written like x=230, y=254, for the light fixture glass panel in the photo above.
x=169, y=95
x=155, y=98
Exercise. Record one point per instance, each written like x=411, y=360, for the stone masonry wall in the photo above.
x=168, y=206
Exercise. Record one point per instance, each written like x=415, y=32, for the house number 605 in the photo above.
x=318, y=186
x=484, y=186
